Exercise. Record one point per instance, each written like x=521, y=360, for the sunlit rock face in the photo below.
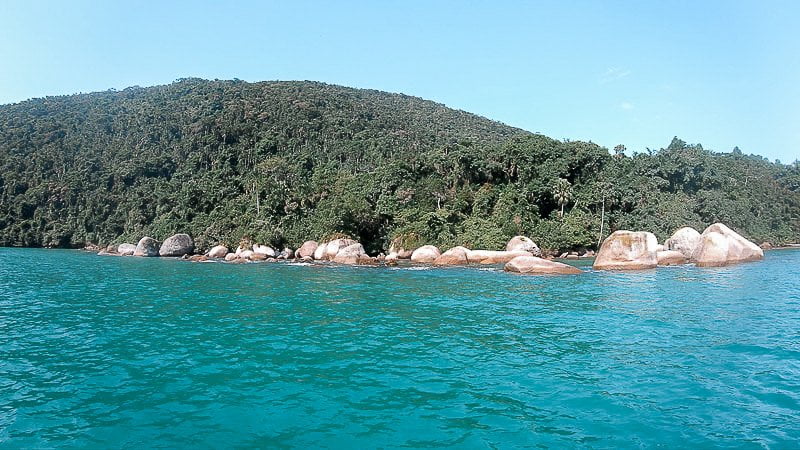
x=720, y=246
x=684, y=240
x=628, y=250
x=533, y=265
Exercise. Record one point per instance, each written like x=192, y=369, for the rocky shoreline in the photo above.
x=716, y=246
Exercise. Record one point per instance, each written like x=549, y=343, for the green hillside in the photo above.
x=282, y=162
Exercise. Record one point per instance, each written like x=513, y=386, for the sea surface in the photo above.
x=112, y=352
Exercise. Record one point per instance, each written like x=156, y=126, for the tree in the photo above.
x=562, y=193
x=283, y=162
x=608, y=198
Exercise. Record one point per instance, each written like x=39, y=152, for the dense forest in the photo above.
x=283, y=162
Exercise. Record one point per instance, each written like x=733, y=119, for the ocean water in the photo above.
x=109, y=352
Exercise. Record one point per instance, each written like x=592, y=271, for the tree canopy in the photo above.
x=283, y=162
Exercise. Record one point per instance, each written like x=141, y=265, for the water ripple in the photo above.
x=128, y=352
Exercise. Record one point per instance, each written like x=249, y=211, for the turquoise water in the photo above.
x=132, y=352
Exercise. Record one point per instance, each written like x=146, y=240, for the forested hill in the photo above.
x=283, y=162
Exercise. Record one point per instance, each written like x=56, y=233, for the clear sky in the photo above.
x=721, y=73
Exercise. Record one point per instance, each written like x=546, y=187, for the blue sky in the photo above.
x=721, y=73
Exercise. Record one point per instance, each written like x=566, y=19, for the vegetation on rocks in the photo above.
x=283, y=162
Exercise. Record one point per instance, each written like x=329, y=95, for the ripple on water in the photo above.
x=106, y=352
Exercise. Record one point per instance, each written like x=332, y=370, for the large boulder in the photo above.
x=126, y=249
x=335, y=245
x=177, y=245
x=349, y=254
x=218, y=251
x=494, y=256
x=535, y=265
x=321, y=251
x=453, y=257
x=231, y=257
x=147, y=246
x=685, y=240
x=286, y=253
x=627, y=250
x=307, y=249
x=719, y=246
x=425, y=254
x=671, y=258
x=523, y=243
x=265, y=250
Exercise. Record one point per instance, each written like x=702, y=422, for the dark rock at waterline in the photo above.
x=177, y=245
x=366, y=260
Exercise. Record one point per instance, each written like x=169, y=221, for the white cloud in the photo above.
x=613, y=74
x=626, y=106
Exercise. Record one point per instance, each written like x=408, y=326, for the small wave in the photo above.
x=299, y=264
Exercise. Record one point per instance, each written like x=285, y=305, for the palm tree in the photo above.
x=562, y=193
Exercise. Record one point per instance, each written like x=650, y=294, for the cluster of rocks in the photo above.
x=244, y=253
x=342, y=251
x=176, y=245
x=718, y=245
x=521, y=255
